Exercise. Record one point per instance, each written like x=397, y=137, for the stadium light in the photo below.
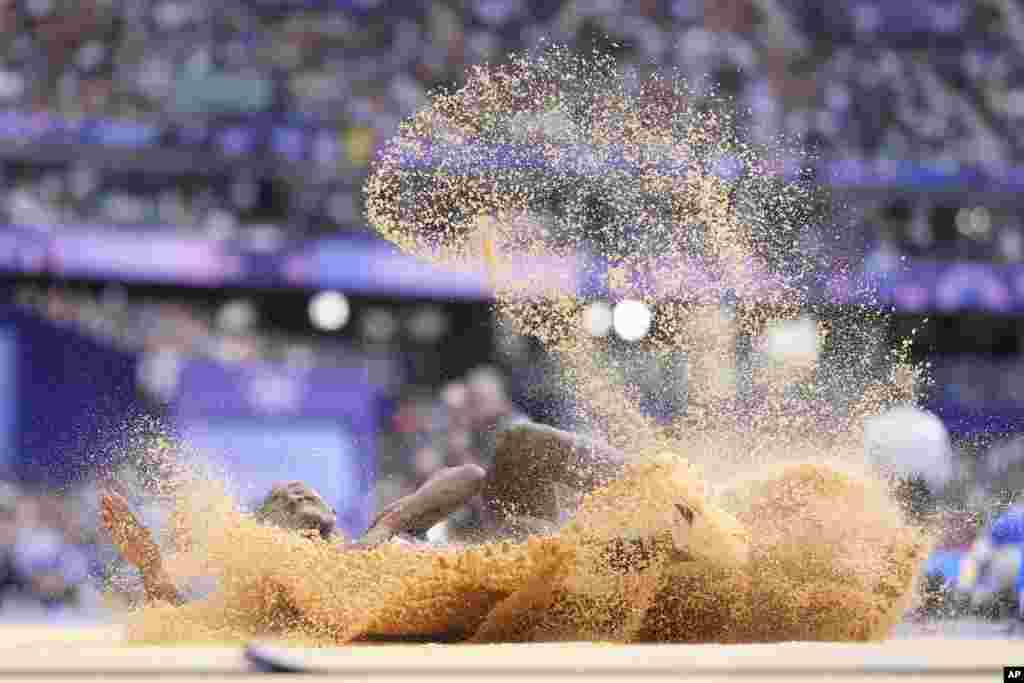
x=427, y=325
x=597, y=319
x=378, y=325
x=329, y=311
x=237, y=316
x=631, y=319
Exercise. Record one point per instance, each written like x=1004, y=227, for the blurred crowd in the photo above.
x=956, y=229
x=46, y=556
x=282, y=106
x=295, y=98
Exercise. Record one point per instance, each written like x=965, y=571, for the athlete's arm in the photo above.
x=440, y=496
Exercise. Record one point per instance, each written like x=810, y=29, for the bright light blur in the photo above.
x=909, y=442
x=597, y=319
x=329, y=311
x=632, y=320
x=793, y=341
x=427, y=325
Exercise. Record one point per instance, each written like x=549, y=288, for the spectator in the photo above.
x=43, y=570
x=473, y=409
x=9, y=578
x=52, y=571
x=913, y=446
x=491, y=409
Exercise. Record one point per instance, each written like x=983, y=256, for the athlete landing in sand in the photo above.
x=533, y=466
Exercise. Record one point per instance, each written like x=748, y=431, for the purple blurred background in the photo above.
x=185, y=254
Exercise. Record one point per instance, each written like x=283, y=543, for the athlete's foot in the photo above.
x=135, y=544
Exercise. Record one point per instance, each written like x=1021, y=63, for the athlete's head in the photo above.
x=293, y=505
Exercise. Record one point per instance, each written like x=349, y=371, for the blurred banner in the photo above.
x=67, y=403
x=371, y=266
x=98, y=254
x=368, y=266
x=258, y=425
x=24, y=250
x=69, y=408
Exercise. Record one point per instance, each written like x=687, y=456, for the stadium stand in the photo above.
x=255, y=122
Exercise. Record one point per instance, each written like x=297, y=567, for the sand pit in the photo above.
x=86, y=653
x=787, y=536
x=804, y=551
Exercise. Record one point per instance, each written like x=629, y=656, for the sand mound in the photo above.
x=805, y=552
x=830, y=559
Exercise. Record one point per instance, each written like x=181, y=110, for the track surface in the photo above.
x=70, y=654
